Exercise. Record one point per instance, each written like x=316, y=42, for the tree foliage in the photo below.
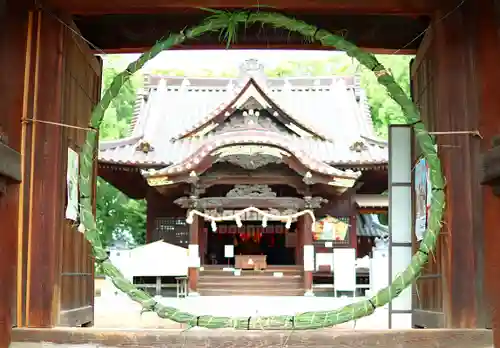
x=121, y=217
x=117, y=216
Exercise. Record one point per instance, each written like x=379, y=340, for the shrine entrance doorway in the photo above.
x=274, y=242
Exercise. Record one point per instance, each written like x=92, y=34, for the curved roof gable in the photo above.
x=251, y=89
x=313, y=108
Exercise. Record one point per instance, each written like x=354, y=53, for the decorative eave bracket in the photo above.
x=490, y=167
x=257, y=202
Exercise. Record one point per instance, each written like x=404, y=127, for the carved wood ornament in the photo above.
x=250, y=157
x=259, y=196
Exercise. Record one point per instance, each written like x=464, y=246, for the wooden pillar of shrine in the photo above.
x=202, y=241
x=299, y=259
x=487, y=50
x=194, y=255
x=13, y=38
x=305, y=232
x=353, y=235
x=455, y=78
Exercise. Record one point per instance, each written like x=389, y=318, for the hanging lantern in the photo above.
x=288, y=223
x=213, y=224
x=264, y=221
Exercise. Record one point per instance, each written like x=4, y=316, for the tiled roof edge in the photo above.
x=110, y=144
x=375, y=140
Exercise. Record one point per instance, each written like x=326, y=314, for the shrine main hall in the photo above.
x=277, y=172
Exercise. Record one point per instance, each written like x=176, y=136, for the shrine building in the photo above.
x=202, y=150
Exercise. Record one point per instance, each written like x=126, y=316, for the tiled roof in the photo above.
x=292, y=144
x=334, y=108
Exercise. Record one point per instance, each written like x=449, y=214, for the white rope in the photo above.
x=237, y=217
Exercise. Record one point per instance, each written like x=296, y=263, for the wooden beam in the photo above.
x=98, y=7
x=129, y=182
x=242, y=338
x=236, y=46
x=268, y=178
x=119, y=32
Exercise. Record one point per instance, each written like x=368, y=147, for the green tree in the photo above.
x=118, y=216
x=384, y=110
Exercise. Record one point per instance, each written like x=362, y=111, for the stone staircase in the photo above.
x=214, y=281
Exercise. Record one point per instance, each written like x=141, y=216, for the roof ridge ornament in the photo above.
x=185, y=83
x=144, y=146
x=162, y=84
x=230, y=87
x=358, y=146
x=252, y=68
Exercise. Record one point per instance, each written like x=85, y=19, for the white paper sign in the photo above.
x=309, y=258
x=194, y=255
x=344, y=269
x=72, y=173
x=228, y=251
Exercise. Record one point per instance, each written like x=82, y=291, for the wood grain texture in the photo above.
x=409, y=7
x=13, y=37
x=446, y=80
x=58, y=271
x=487, y=51
x=127, y=33
x=265, y=339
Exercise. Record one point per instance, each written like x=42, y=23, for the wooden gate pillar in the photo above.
x=305, y=223
x=194, y=255
x=299, y=259
x=487, y=50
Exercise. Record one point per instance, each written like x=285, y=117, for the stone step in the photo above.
x=203, y=284
x=272, y=291
x=245, y=277
x=267, y=272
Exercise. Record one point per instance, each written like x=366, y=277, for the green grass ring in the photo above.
x=226, y=23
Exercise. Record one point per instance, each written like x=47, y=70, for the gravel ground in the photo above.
x=121, y=312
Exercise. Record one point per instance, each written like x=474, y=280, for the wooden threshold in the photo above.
x=77, y=317
x=217, y=338
x=428, y=319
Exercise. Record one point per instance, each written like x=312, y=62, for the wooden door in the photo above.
x=10, y=176
x=428, y=294
x=81, y=85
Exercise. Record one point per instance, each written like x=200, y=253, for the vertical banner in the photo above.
x=228, y=251
x=72, y=185
x=309, y=258
x=422, y=194
x=344, y=270
x=400, y=221
x=194, y=260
